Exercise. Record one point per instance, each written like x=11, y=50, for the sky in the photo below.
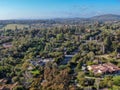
x=45, y=9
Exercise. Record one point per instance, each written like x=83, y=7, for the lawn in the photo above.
x=35, y=72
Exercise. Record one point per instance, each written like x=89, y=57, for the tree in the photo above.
x=60, y=36
x=19, y=88
x=81, y=78
x=116, y=80
x=108, y=44
x=91, y=55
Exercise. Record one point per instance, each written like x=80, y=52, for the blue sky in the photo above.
x=37, y=9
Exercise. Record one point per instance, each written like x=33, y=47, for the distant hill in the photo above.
x=101, y=18
x=77, y=20
x=106, y=17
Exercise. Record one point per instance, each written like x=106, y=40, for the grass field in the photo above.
x=13, y=26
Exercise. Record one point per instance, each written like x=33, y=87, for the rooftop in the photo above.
x=103, y=68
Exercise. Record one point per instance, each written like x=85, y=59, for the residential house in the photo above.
x=107, y=68
x=41, y=61
x=118, y=56
x=5, y=86
x=3, y=81
x=7, y=45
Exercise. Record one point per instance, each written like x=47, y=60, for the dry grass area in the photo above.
x=13, y=26
x=107, y=56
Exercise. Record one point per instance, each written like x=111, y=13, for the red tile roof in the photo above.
x=103, y=68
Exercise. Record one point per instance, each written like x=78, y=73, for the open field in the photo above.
x=13, y=26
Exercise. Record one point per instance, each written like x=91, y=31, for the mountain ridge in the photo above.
x=76, y=20
x=106, y=17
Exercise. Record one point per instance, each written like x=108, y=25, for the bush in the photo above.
x=116, y=80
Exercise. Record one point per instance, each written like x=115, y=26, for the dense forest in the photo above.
x=52, y=55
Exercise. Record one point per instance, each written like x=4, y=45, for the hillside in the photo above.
x=106, y=17
x=76, y=20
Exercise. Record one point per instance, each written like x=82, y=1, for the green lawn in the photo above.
x=35, y=72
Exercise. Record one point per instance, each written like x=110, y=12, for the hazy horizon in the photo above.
x=47, y=9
